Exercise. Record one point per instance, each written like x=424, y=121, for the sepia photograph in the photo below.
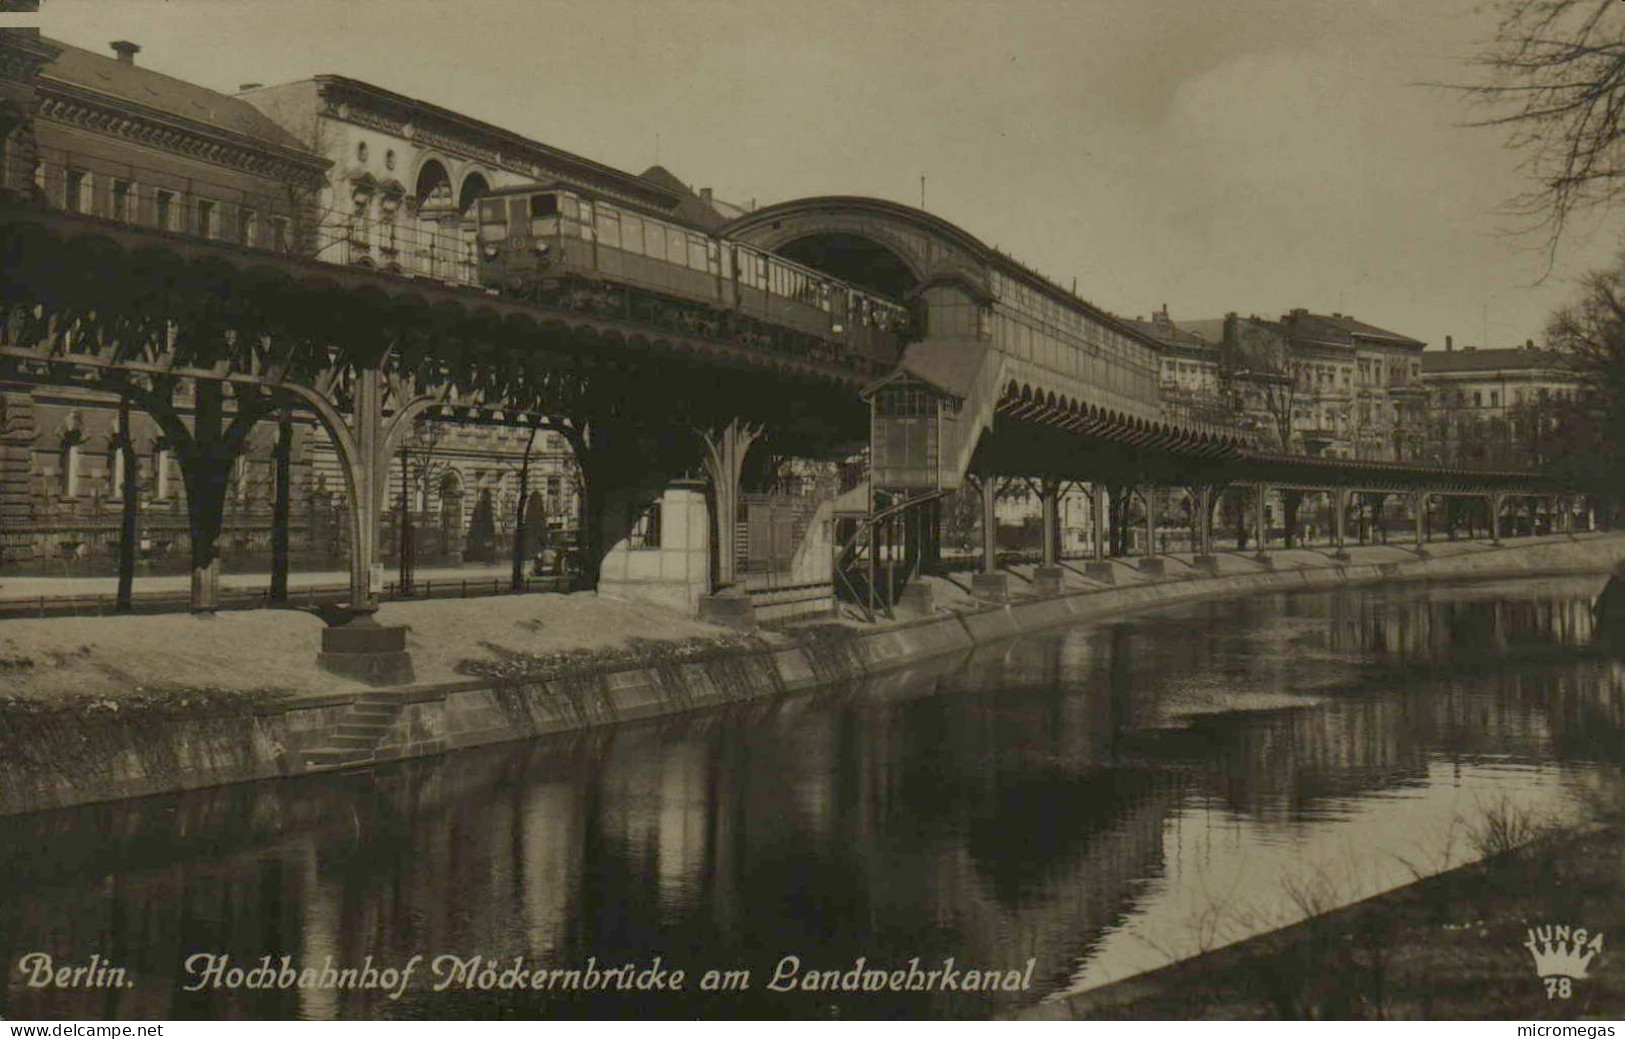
x=809, y=510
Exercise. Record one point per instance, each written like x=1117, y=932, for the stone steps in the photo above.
x=356, y=736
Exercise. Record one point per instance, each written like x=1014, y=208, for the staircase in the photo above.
x=359, y=731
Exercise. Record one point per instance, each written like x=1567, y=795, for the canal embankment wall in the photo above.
x=55, y=760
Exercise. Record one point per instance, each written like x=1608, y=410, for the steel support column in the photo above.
x=1049, y=493
x=1149, y=493
x=1260, y=528
x=725, y=453
x=129, y=480
x=990, y=527
x=1097, y=520
x=1340, y=505
x=991, y=583
x=1419, y=509
x=1495, y=500
x=1047, y=578
x=367, y=422
x=1204, y=523
x=1150, y=562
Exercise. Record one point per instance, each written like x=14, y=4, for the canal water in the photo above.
x=1056, y=812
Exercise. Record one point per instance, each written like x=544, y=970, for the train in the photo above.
x=561, y=246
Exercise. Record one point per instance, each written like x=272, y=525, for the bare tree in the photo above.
x=1554, y=79
x=1590, y=333
x=1259, y=371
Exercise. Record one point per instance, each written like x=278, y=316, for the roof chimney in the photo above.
x=241, y=87
x=705, y=195
x=1449, y=343
x=1528, y=344
x=125, y=50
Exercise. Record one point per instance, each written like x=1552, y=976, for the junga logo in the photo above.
x=1561, y=954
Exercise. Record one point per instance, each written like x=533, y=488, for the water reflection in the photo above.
x=1095, y=800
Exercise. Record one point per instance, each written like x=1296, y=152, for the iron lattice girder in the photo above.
x=1375, y=477
x=61, y=260
x=1101, y=426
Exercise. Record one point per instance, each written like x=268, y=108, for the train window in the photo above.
x=491, y=211
x=654, y=240
x=631, y=233
x=568, y=206
x=713, y=255
x=676, y=248
x=609, y=228
x=696, y=252
x=586, y=219
x=543, y=206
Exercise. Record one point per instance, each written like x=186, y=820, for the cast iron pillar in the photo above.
x=1098, y=569
x=1205, y=561
x=359, y=647
x=1340, y=506
x=1495, y=501
x=1047, y=578
x=991, y=583
x=725, y=452
x=1150, y=562
x=1260, y=492
x=1419, y=509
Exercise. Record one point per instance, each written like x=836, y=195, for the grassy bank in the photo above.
x=1447, y=947
x=140, y=660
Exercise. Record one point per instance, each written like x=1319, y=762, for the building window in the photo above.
x=76, y=192
x=1495, y=398
x=164, y=210
x=250, y=228
x=123, y=195
x=646, y=532
x=208, y=218
x=160, y=473
x=280, y=233
x=1478, y=398
x=70, y=466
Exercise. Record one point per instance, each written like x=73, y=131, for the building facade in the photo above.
x=104, y=136
x=1314, y=384
x=1503, y=407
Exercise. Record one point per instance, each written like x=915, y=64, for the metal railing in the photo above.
x=308, y=597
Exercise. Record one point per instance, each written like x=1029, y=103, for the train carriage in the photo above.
x=558, y=245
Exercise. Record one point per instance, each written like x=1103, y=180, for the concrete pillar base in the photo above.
x=1100, y=570
x=1422, y=553
x=1152, y=566
x=1341, y=556
x=1047, y=580
x=1264, y=560
x=1208, y=565
x=731, y=610
x=915, y=600
x=991, y=586
x=366, y=651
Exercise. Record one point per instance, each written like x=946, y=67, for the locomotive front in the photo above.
x=518, y=241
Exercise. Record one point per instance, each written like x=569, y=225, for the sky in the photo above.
x=1250, y=156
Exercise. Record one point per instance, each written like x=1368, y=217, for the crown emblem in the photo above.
x=1562, y=951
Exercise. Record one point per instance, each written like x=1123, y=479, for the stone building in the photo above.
x=1314, y=384
x=104, y=136
x=331, y=168
x=1498, y=406
x=404, y=179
